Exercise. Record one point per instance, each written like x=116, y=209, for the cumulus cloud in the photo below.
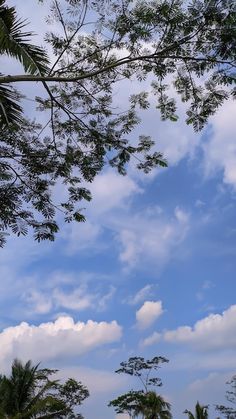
x=64, y=337
x=216, y=331
x=148, y=314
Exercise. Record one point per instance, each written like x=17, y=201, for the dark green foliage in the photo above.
x=29, y=393
x=190, y=46
x=148, y=404
x=153, y=406
x=10, y=110
x=201, y=412
x=14, y=42
x=145, y=401
x=128, y=403
x=141, y=368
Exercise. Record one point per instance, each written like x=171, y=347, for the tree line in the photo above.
x=30, y=392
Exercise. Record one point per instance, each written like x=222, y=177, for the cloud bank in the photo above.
x=213, y=332
x=62, y=338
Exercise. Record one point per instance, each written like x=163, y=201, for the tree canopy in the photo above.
x=188, y=47
x=29, y=392
x=146, y=401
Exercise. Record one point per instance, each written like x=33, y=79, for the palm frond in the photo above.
x=201, y=412
x=16, y=43
x=190, y=415
x=10, y=110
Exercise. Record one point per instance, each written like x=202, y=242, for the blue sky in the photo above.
x=151, y=272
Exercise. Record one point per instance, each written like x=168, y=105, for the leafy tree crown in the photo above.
x=188, y=46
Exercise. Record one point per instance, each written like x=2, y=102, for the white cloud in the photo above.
x=62, y=338
x=155, y=337
x=41, y=303
x=216, y=331
x=181, y=216
x=111, y=190
x=220, y=149
x=177, y=141
x=79, y=299
x=140, y=295
x=148, y=314
x=102, y=301
x=152, y=238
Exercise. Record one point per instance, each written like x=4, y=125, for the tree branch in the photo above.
x=118, y=63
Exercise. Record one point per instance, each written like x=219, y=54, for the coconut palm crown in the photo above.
x=154, y=406
x=29, y=393
x=201, y=412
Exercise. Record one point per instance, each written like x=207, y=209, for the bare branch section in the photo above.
x=101, y=44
